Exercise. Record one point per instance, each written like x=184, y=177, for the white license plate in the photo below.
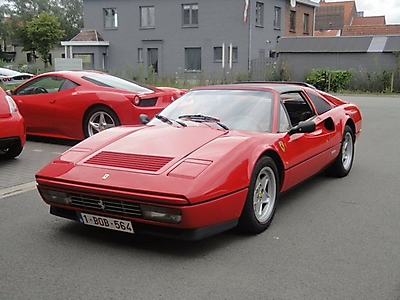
x=105, y=222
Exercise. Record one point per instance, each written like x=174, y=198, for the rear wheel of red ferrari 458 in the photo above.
x=344, y=161
x=262, y=197
x=98, y=119
x=11, y=152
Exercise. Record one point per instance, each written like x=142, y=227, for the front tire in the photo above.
x=98, y=119
x=262, y=197
x=344, y=161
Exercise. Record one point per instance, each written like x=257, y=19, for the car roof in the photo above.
x=72, y=73
x=278, y=86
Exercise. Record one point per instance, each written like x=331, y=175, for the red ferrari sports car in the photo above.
x=216, y=158
x=78, y=104
x=12, y=128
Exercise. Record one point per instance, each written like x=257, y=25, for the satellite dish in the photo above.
x=293, y=3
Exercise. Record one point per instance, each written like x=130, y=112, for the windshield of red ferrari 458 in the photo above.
x=237, y=109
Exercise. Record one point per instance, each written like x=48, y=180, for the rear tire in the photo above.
x=13, y=151
x=262, y=197
x=344, y=161
x=99, y=118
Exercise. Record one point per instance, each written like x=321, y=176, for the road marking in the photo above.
x=18, y=189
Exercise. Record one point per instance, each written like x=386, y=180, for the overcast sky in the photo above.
x=388, y=8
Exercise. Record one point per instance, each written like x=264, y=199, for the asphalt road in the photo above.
x=330, y=239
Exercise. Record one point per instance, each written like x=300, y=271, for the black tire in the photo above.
x=344, y=161
x=92, y=117
x=13, y=151
x=260, y=198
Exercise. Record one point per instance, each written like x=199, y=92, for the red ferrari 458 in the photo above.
x=12, y=128
x=78, y=104
x=215, y=159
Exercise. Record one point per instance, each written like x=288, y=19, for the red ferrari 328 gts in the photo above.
x=78, y=104
x=216, y=158
x=12, y=128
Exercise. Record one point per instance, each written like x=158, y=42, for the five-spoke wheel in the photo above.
x=99, y=119
x=262, y=197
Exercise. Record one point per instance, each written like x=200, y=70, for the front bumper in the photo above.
x=158, y=230
x=195, y=221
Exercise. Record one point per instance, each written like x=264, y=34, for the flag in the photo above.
x=246, y=8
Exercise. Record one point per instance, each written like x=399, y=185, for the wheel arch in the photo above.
x=352, y=125
x=278, y=162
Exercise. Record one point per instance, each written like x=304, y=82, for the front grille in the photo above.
x=103, y=204
x=129, y=161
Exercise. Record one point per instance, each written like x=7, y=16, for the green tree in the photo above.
x=18, y=12
x=44, y=33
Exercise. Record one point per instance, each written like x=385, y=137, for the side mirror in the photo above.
x=9, y=92
x=144, y=119
x=303, y=127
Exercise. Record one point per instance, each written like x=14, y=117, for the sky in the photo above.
x=388, y=8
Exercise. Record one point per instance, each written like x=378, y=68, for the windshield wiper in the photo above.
x=202, y=118
x=169, y=121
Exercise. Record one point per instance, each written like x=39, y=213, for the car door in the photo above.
x=35, y=100
x=304, y=153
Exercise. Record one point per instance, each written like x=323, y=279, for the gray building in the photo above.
x=366, y=54
x=179, y=38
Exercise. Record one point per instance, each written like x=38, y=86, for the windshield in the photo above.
x=116, y=82
x=236, y=109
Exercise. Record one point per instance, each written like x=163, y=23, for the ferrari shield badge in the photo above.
x=105, y=176
x=282, y=145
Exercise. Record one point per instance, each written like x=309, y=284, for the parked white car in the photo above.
x=8, y=76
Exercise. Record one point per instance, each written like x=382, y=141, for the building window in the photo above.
x=140, y=55
x=259, y=14
x=292, y=21
x=218, y=54
x=110, y=17
x=277, y=18
x=193, y=59
x=147, y=17
x=87, y=60
x=306, y=22
x=190, y=14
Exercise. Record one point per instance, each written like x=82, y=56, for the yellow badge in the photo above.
x=282, y=145
x=105, y=176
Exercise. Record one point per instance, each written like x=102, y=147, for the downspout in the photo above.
x=249, y=45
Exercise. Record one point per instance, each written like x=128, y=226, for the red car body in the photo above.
x=12, y=128
x=189, y=174
x=78, y=104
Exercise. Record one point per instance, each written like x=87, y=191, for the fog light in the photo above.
x=162, y=214
x=54, y=196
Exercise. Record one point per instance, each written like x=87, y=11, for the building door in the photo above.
x=152, y=58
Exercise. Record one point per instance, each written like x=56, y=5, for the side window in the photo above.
x=297, y=107
x=284, y=123
x=67, y=84
x=320, y=104
x=43, y=85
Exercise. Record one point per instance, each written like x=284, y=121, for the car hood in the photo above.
x=152, y=148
